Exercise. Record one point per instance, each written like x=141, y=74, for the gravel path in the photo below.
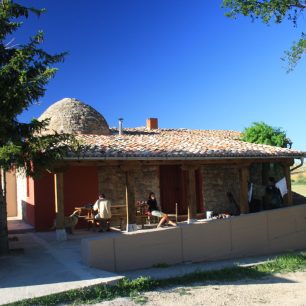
x=281, y=290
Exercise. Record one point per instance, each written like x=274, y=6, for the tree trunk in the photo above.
x=4, y=246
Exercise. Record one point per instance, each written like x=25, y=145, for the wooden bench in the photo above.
x=145, y=218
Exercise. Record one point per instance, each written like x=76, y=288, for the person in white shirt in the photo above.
x=103, y=206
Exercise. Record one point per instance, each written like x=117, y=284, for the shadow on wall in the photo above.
x=28, y=212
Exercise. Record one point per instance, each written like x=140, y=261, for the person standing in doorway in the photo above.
x=103, y=207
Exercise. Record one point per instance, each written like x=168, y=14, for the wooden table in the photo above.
x=88, y=214
x=118, y=211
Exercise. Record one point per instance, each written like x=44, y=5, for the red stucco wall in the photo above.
x=44, y=202
x=80, y=188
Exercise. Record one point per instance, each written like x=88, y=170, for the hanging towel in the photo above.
x=282, y=186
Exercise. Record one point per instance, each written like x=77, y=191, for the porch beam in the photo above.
x=59, y=167
x=130, y=201
x=244, y=201
x=191, y=192
x=288, y=197
x=59, y=206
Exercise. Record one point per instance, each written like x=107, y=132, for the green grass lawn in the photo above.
x=301, y=189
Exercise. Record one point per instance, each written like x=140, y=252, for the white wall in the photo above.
x=21, y=191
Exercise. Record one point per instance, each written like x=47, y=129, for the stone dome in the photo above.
x=72, y=116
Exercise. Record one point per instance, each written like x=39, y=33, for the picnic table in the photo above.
x=87, y=212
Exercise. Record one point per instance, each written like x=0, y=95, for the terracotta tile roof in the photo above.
x=177, y=144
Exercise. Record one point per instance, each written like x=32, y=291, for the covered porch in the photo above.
x=184, y=189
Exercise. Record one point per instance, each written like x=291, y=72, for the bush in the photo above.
x=262, y=133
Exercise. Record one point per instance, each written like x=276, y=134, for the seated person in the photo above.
x=154, y=211
x=103, y=206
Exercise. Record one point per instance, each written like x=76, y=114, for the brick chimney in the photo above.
x=152, y=123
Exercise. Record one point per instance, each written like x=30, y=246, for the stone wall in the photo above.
x=275, y=170
x=146, y=181
x=217, y=181
x=256, y=178
x=112, y=183
x=256, y=173
x=259, y=175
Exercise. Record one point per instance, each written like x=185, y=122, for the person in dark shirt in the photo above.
x=273, y=197
x=155, y=211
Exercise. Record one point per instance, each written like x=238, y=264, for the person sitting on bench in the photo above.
x=103, y=206
x=154, y=211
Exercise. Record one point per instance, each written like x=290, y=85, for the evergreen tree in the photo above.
x=24, y=72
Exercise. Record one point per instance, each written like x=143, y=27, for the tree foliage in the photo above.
x=262, y=133
x=273, y=11
x=24, y=72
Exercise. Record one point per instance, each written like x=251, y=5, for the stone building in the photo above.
x=194, y=168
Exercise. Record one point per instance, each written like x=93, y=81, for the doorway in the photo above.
x=173, y=189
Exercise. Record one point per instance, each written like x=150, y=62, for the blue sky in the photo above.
x=181, y=61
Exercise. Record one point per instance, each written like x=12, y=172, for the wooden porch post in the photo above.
x=59, y=206
x=191, y=193
x=288, y=197
x=244, y=178
x=130, y=201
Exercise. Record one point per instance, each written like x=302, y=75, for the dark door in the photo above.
x=173, y=189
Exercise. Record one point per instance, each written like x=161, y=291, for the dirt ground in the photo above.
x=281, y=290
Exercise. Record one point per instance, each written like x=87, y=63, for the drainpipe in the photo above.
x=298, y=166
x=120, y=126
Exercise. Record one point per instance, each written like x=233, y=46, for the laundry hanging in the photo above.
x=282, y=186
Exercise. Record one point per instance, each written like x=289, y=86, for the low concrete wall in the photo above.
x=260, y=233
